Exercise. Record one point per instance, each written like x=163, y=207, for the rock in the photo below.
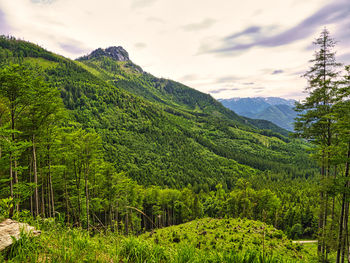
x=9, y=228
x=117, y=53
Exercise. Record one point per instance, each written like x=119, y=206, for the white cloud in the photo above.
x=153, y=34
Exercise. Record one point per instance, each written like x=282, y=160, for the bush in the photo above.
x=296, y=231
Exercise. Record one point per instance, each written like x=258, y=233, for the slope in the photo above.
x=162, y=144
x=114, y=65
x=281, y=115
x=224, y=235
x=205, y=240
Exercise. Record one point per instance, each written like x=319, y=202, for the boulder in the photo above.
x=10, y=228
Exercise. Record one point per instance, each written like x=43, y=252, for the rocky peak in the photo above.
x=117, y=53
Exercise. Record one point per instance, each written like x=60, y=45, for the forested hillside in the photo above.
x=164, y=92
x=136, y=131
x=101, y=143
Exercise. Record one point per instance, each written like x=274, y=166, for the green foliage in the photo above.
x=5, y=206
x=20, y=248
x=153, y=139
x=135, y=250
x=61, y=244
x=101, y=145
x=324, y=120
x=296, y=231
x=226, y=237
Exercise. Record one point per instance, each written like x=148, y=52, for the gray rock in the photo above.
x=10, y=228
x=117, y=53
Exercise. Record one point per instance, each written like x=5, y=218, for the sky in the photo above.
x=227, y=48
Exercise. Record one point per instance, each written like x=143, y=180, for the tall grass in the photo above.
x=135, y=250
x=58, y=243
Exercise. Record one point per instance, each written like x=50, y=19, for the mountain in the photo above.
x=277, y=110
x=158, y=131
x=163, y=92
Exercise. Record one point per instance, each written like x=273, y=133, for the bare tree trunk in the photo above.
x=342, y=224
x=66, y=194
x=30, y=181
x=110, y=214
x=35, y=171
x=340, y=233
x=11, y=185
x=16, y=181
x=77, y=182
x=87, y=198
x=127, y=222
x=50, y=182
x=324, y=237
x=42, y=197
x=11, y=160
x=48, y=197
x=117, y=216
x=321, y=220
x=345, y=245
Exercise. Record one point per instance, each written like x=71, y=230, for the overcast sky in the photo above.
x=228, y=48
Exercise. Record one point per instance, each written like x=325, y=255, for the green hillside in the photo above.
x=204, y=240
x=225, y=235
x=164, y=92
x=189, y=138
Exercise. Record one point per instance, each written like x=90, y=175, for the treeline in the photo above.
x=324, y=120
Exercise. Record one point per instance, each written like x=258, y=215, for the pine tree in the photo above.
x=314, y=122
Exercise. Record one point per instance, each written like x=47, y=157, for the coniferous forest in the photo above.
x=116, y=165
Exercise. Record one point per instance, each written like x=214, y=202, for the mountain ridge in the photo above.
x=164, y=91
x=277, y=110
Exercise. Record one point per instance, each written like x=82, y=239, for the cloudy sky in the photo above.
x=228, y=48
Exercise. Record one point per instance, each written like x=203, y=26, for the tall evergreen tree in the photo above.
x=314, y=122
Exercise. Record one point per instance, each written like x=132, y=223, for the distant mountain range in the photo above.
x=277, y=110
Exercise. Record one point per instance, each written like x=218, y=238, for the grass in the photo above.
x=227, y=235
x=226, y=240
x=43, y=63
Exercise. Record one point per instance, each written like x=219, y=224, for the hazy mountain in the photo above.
x=277, y=110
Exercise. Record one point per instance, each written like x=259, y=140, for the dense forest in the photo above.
x=100, y=144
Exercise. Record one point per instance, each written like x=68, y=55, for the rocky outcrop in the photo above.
x=10, y=228
x=117, y=53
